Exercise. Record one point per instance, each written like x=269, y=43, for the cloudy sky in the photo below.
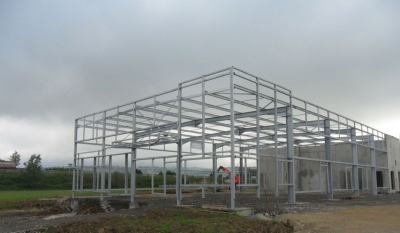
x=64, y=59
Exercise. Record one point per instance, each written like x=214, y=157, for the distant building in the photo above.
x=7, y=165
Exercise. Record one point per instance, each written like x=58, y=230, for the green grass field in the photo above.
x=22, y=195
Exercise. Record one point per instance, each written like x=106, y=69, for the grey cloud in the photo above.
x=62, y=60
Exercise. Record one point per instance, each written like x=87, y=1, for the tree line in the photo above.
x=32, y=174
x=62, y=180
x=33, y=177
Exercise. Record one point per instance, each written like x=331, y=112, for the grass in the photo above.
x=28, y=199
x=26, y=195
x=175, y=220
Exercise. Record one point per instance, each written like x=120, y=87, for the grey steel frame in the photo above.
x=234, y=117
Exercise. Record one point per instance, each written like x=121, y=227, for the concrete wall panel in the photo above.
x=311, y=175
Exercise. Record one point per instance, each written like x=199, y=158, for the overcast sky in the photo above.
x=64, y=59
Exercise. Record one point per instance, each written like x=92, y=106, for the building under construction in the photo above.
x=233, y=116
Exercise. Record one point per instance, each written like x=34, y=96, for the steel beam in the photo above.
x=207, y=120
x=270, y=138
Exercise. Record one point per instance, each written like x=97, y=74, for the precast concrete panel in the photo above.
x=393, y=152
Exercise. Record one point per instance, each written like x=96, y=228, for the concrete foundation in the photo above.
x=74, y=204
x=133, y=205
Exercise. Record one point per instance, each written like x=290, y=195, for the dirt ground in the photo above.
x=383, y=218
x=311, y=213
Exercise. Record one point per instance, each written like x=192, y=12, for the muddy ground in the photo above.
x=277, y=207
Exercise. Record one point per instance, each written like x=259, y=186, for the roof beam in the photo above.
x=193, y=123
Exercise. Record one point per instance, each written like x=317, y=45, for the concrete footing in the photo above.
x=245, y=212
x=74, y=204
x=300, y=204
x=133, y=205
x=104, y=204
x=184, y=206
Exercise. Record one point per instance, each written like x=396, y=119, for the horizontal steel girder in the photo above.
x=192, y=123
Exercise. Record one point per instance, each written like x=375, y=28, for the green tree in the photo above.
x=33, y=171
x=160, y=173
x=138, y=171
x=170, y=173
x=16, y=158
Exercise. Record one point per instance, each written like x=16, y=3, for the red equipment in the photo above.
x=229, y=172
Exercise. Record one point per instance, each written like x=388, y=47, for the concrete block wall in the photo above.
x=393, y=148
x=310, y=176
x=267, y=167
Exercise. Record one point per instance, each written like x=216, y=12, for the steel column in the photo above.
x=109, y=173
x=276, y=143
x=133, y=175
x=245, y=171
x=94, y=173
x=75, y=151
x=98, y=172
x=185, y=174
x=78, y=173
x=329, y=183
x=215, y=175
x=203, y=118
x=152, y=176
x=133, y=158
x=258, y=139
x=373, y=165
x=126, y=174
x=232, y=123
x=81, y=181
x=354, y=166
x=103, y=159
x=241, y=169
x=179, y=148
x=165, y=177
x=290, y=155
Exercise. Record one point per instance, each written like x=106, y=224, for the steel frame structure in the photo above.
x=232, y=114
